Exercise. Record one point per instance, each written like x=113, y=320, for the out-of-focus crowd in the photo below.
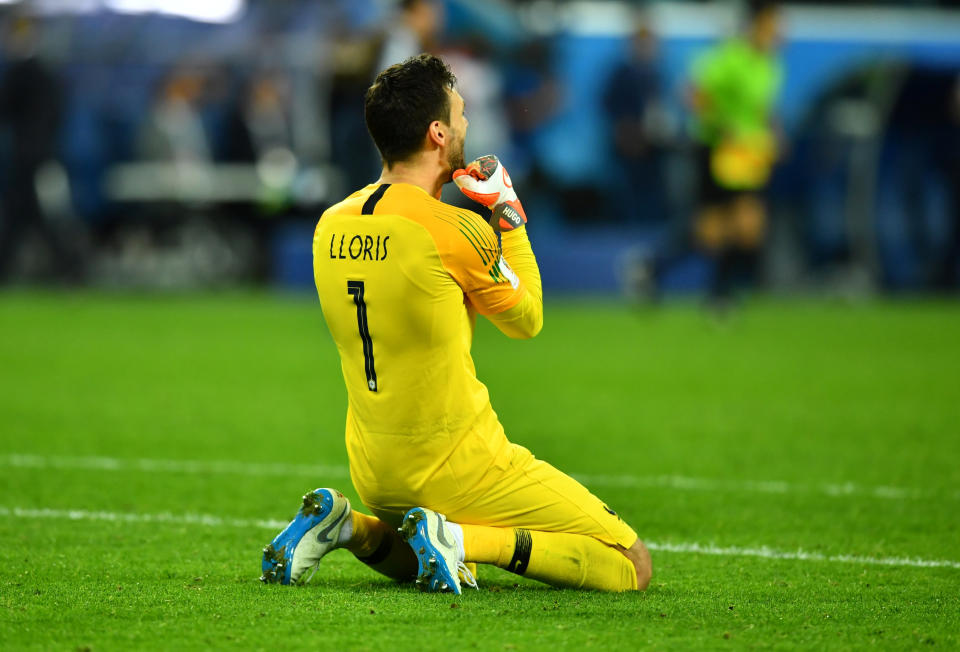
x=138, y=147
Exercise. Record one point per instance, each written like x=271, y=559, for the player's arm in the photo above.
x=486, y=181
x=525, y=319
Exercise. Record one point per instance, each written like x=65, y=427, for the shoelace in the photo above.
x=313, y=571
x=466, y=576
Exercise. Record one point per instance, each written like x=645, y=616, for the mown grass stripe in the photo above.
x=683, y=483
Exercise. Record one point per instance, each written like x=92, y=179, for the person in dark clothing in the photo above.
x=922, y=162
x=30, y=111
x=633, y=104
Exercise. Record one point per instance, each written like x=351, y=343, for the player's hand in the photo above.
x=487, y=182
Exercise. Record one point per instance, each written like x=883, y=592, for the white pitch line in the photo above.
x=687, y=483
x=798, y=555
x=210, y=520
x=170, y=466
x=274, y=469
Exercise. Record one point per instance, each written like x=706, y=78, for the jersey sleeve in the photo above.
x=525, y=319
x=476, y=263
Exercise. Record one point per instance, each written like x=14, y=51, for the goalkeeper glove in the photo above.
x=487, y=182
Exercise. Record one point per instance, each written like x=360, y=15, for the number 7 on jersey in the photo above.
x=356, y=288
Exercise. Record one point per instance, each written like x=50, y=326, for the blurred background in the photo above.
x=660, y=148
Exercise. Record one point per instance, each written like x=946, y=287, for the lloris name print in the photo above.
x=358, y=247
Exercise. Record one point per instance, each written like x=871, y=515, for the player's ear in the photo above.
x=437, y=133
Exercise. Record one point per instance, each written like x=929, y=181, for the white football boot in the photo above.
x=312, y=533
x=439, y=554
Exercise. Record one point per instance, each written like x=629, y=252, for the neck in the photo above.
x=429, y=177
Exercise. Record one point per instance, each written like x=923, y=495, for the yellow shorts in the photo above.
x=517, y=490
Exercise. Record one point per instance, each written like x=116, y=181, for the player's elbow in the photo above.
x=523, y=321
x=536, y=326
x=527, y=328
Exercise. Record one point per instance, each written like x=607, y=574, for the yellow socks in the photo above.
x=488, y=545
x=367, y=535
x=379, y=546
x=579, y=561
x=560, y=559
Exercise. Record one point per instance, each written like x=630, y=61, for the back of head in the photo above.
x=764, y=23
x=403, y=101
x=758, y=8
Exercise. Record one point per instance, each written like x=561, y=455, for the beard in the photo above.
x=455, y=160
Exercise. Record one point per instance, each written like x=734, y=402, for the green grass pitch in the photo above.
x=795, y=470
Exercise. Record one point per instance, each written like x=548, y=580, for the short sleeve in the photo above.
x=707, y=70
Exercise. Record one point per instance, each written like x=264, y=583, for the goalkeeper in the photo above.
x=401, y=277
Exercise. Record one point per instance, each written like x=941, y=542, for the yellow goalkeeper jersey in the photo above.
x=401, y=276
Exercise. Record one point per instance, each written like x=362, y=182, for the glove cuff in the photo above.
x=508, y=216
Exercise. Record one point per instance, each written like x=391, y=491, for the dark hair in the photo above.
x=758, y=8
x=403, y=101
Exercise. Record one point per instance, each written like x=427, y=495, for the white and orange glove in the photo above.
x=487, y=182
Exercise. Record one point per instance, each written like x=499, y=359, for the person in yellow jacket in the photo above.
x=401, y=278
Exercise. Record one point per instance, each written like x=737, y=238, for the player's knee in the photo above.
x=749, y=222
x=710, y=230
x=640, y=557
